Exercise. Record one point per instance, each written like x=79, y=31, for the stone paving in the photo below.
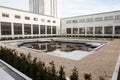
x=100, y=63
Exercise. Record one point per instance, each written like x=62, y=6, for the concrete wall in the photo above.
x=12, y=19
x=93, y=23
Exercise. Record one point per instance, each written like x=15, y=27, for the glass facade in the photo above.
x=35, y=29
x=42, y=29
x=117, y=29
x=54, y=30
x=108, y=30
x=98, y=30
x=27, y=29
x=17, y=29
x=81, y=30
x=89, y=30
x=48, y=29
x=68, y=30
x=75, y=30
x=5, y=28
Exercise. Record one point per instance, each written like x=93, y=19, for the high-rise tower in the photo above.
x=45, y=7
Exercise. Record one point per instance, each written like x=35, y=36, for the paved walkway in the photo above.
x=101, y=63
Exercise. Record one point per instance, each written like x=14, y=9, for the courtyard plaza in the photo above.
x=102, y=62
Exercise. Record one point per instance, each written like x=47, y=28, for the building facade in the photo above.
x=101, y=24
x=17, y=23
x=45, y=7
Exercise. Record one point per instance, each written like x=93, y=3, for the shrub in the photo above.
x=87, y=77
x=74, y=75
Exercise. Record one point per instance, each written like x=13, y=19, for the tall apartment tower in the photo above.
x=45, y=7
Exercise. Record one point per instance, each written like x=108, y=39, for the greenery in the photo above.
x=74, y=75
x=87, y=77
x=35, y=69
x=101, y=78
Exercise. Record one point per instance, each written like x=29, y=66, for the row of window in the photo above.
x=107, y=18
x=6, y=29
x=98, y=30
x=27, y=18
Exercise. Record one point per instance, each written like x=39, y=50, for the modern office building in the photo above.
x=102, y=24
x=18, y=23
x=15, y=23
x=45, y=7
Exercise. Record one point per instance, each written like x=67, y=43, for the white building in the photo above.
x=45, y=7
x=18, y=23
x=102, y=24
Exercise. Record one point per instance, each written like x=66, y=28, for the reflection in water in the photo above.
x=62, y=46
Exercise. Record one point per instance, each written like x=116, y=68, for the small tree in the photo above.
x=52, y=71
x=74, y=75
x=62, y=73
x=87, y=77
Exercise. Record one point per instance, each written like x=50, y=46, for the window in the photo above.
x=54, y=21
x=75, y=30
x=42, y=29
x=17, y=28
x=27, y=29
x=117, y=29
x=27, y=18
x=108, y=30
x=68, y=30
x=54, y=30
x=99, y=19
x=107, y=18
x=68, y=22
x=48, y=29
x=81, y=20
x=5, y=15
x=117, y=17
x=98, y=30
x=75, y=21
x=89, y=30
x=89, y=20
x=5, y=28
x=48, y=21
x=35, y=29
x=35, y=19
x=81, y=30
x=42, y=20
x=17, y=16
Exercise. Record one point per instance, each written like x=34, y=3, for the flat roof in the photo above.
x=92, y=14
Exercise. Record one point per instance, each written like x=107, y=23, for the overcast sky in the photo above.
x=71, y=7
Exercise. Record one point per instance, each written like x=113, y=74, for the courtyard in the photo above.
x=100, y=63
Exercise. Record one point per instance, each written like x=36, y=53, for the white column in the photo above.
x=103, y=29
x=78, y=31
x=45, y=30
x=113, y=31
x=31, y=30
x=51, y=30
x=39, y=31
x=85, y=31
x=0, y=30
x=71, y=32
x=93, y=31
x=23, y=34
x=46, y=47
x=12, y=30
